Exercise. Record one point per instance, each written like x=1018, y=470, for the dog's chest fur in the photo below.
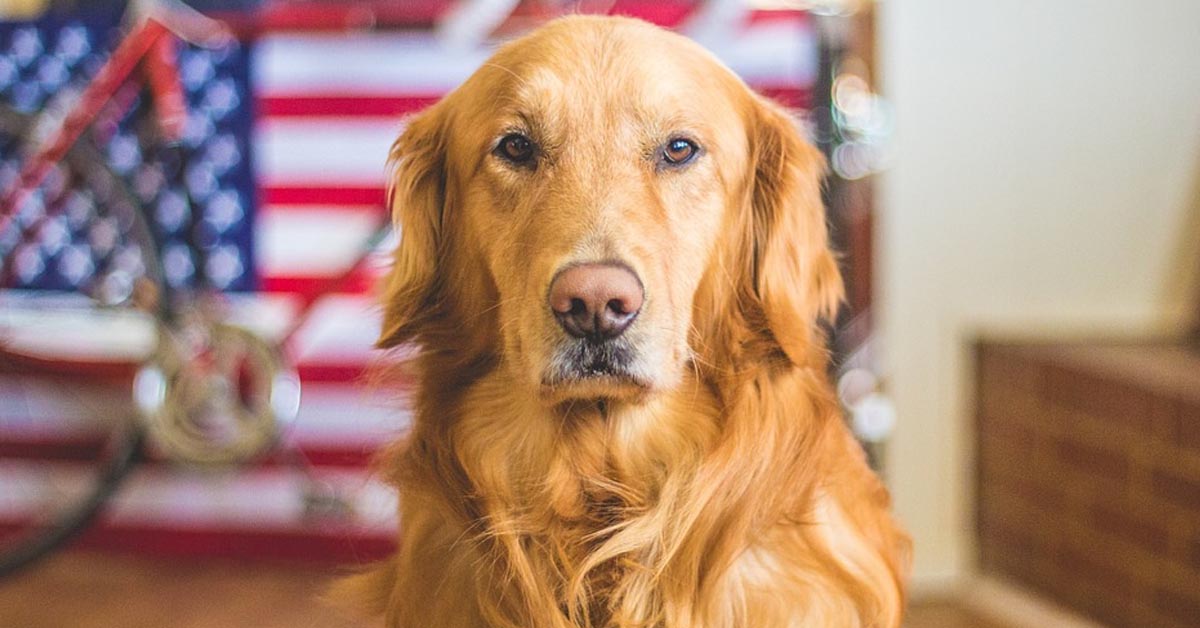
x=576, y=493
x=601, y=516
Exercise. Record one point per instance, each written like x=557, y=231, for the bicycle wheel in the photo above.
x=79, y=282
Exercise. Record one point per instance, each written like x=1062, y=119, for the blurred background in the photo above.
x=1014, y=186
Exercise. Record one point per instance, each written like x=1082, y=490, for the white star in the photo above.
x=224, y=210
x=123, y=153
x=172, y=210
x=224, y=265
x=26, y=46
x=177, y=264
x=75, y=264
x=28, y=263
x=201, y=180
x=223, y=152
x=195, y=69
x=73, y=43
x=52, y=73
x=221, y=98
x=54, y=235
x=102, y=236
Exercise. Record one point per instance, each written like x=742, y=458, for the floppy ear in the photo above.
x=416, y=193
x=794, y=275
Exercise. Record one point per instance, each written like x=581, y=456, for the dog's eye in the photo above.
x=679, y=151
x=516, y=148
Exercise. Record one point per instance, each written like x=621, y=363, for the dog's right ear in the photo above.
x=417, y=195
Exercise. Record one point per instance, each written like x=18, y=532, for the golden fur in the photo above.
x=719, y=488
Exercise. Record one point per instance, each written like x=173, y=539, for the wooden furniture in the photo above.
x=1088, y=475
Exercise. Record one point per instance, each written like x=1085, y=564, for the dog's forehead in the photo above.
x=583, y=64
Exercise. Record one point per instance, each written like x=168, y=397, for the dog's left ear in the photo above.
x=795, y=275
x=417, y=194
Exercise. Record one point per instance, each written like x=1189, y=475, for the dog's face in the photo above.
x=601, y=204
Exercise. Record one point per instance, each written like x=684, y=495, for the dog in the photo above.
x=613, y=265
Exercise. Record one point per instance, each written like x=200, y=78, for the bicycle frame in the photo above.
x=150, y=45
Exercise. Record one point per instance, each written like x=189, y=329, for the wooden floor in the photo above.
x=947, y=614
x=81, y=590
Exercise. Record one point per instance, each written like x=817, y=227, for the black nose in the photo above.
x=596, y=300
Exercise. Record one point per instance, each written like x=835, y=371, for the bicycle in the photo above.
x=208, y=392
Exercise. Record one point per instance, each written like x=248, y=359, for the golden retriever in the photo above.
x=613, y=261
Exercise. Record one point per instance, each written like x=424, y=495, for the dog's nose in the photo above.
x=597, y=300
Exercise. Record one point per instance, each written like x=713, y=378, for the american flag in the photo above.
x=290, y=134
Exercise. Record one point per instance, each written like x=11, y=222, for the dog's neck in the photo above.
x=595, y=445
x=571, y=451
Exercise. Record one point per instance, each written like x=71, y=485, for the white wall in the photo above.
x=1047, y=181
